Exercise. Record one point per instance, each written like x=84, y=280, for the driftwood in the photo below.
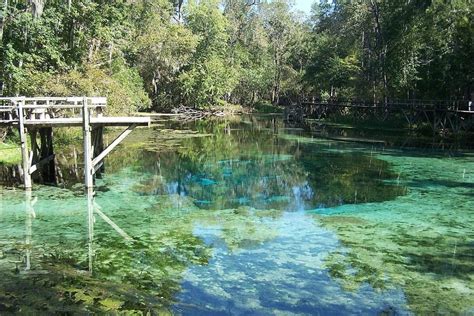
x=192, y=114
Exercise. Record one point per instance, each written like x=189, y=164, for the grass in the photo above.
x=9, y=154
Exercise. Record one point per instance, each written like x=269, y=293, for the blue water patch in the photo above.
x=227, y=172
x=282, y=274
x=206, y=182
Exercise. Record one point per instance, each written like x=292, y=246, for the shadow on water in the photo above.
x=457, y=263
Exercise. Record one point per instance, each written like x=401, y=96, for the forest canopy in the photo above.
x=160, y=54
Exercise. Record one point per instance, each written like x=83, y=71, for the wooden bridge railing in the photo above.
x=442, y=115
x=419, y=104
x=48, y=108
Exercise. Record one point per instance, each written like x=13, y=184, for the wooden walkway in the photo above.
x=440, y=115
x=38, y=116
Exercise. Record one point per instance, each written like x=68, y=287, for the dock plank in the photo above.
x=77, y=121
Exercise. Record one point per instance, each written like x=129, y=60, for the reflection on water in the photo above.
x=258, y=167
x=245, y=217
x=258, y=262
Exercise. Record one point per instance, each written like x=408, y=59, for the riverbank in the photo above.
x=229, y=110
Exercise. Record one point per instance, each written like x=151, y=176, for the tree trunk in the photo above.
x=37, y=7
x=380, y=45
x=2, y=21
x=111, y=52
x=277, y=82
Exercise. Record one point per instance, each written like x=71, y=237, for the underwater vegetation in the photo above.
x=244, y=216
x=422, y=242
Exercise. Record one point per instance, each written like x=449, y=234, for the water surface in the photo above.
x=245, y=216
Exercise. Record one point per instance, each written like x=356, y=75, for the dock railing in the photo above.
x=48, y=108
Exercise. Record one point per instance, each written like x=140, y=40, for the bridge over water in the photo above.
x=440, y=115
x=36, y=118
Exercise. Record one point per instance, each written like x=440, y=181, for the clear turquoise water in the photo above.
x=245, y=217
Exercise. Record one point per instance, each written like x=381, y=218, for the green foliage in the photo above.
x=267, y=107
x=207, y=21
x=206, y=82
x=207, y=78
x=204, y=53
x=380, y=49
x=71, y=51
x=163, y=49
x=123, y=86
x=130, y=84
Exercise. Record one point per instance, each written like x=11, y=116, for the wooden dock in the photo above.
x=38, y=116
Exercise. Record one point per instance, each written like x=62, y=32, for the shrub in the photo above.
x=122, y=86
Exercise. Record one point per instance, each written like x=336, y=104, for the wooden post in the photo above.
x=98, y=145
x=86, y=127
x=24, y=145
x=34, y=146
x=90, y=226
x=75, y=169
x=48, y=171
x=30, y=215
x=51, y=165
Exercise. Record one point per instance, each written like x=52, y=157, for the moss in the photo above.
x=10, y=154
x=340, y=219
x=271, y=213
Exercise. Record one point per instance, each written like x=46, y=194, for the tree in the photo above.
x=207, y=78
x=279, y=25
x=390, y=49
x=163, y=49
